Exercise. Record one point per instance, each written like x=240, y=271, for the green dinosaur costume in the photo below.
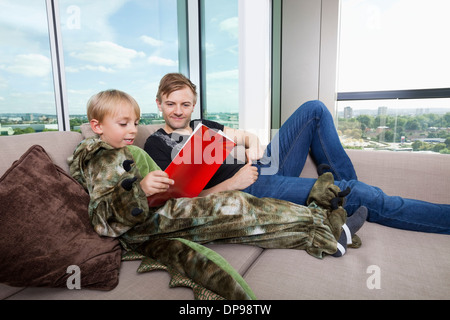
x=174, y=233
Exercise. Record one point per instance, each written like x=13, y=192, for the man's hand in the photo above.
x=245, y=177
x=156, y=182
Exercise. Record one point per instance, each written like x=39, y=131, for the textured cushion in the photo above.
x=45, y=229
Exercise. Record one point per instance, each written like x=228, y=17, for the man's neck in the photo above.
x=182, y=131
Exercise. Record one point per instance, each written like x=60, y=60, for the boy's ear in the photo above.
x=96, y=126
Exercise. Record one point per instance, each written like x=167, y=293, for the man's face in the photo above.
x=177, y=109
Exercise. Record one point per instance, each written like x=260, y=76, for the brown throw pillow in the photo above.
x=45, y=232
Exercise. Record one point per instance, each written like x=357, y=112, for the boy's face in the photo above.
x=118, y=129
x=177, y=109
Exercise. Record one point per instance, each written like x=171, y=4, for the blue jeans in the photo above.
x=311, y=129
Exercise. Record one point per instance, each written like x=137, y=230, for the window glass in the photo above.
x=27, y=99
x=220, y=61
x=394, y=45
x=122, y=44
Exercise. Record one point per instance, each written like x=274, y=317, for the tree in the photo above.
x=18, y=131
x=365, y=121
x=417, y=145
x=447, y=119
x=438, y=147
x=388, y=136
x=447, y=143
x=412, y=124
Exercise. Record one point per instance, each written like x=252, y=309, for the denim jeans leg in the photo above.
x=394, y=211
x=293, y=189
x=309, y=128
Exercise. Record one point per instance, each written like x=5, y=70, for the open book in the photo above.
x=200, y=157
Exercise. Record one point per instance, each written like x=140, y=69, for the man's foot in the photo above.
x=353, y=224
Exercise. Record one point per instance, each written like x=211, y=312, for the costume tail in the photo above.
x=201, y=264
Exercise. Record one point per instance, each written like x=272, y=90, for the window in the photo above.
x=125, y=45
x=220, y=61
x=27, y=97
x=393, y=79
x=56, y=54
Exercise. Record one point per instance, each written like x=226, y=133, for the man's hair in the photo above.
x=108, y=102
x=172, y=82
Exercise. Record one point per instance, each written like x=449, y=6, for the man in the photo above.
x=310, y=129
x=176, y=99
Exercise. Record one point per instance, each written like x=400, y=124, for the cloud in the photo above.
x=223, y=75
x=162, y=61
x=151, y=41
x=106, y=52
x=24, y=15
x=89, y=68
x=230, y=25
x=30, y=65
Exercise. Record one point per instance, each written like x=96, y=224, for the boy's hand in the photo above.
x=156, y=182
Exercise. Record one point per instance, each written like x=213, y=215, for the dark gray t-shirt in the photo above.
x=161, y=146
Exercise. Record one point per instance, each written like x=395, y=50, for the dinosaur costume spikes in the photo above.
x=136, y=211
x=127, y=184
x=127, y=165
x=174, y=234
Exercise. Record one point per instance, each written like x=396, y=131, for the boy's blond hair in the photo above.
x=173, y=82
x=108, y=102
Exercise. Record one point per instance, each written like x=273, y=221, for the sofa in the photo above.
x=390, y=264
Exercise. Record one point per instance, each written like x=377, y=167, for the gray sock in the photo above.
x=353, y=224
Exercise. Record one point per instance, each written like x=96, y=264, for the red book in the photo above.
x=195, y=164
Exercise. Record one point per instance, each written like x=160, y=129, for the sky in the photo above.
x=122, y=44
x=130, y=44
x=119, y=44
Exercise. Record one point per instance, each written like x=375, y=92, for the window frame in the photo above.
x=190, y=60
x=186, y=52
x=57, y=58
x=438, y=93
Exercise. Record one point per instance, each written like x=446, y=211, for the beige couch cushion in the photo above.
x=59, y=146
x=405, y=264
